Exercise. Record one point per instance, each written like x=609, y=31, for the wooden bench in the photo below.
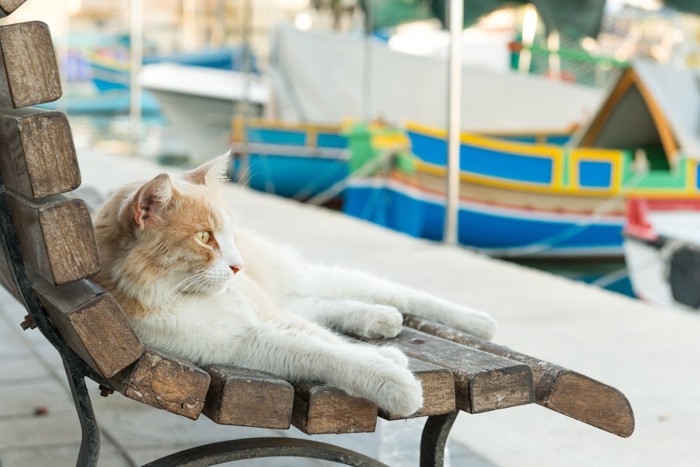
x=49, y=254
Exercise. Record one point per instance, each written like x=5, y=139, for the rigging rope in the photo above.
x=383, y=160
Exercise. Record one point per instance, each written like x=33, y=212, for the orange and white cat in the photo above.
x=195, y=285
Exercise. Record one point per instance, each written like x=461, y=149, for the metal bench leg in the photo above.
x=90, y=443
x=253, y=448
x=432, y=444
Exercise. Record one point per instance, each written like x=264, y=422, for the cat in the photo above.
x=172, y=260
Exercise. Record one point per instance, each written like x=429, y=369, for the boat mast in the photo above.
x=243, y=106
x=136, y=46
x=455, y=14
x=367, y=64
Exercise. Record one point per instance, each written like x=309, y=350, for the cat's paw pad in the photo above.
x=393, y=354
x=383, y=321
x=401, y=394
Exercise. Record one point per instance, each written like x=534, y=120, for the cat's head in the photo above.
x=177, y=237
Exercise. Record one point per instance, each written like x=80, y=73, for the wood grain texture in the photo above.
x=165, y=382
x=9, y=6
x=28, y=69
x=438, y=390
x=592, y=402
x=238, y=396
x=557, y=388
x=483, y=381
x=322, y=409
x=56, y=237
x=38, y=155
x=92, y=323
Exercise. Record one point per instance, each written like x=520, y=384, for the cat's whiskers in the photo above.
x=245, y=176
x=184, y=287
x=180, y=288
x=199, y=288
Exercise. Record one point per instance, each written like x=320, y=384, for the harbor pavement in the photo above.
x=650, y=354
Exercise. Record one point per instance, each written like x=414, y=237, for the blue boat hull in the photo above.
x=496, y=230
x=294, y=161
x=289, y=176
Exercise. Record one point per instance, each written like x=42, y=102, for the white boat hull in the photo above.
x=203, y=123
x=647, y=272
x=201, y=103
x=662, y=250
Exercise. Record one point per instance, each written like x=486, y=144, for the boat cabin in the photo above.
x=654, y=111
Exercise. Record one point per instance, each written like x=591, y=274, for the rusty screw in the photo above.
x=28, y=323
x=105, y=391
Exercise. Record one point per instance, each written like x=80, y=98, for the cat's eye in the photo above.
x=203, y=236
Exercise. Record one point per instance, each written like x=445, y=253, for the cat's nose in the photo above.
x=236, y=267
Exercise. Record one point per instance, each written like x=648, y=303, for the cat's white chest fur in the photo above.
x=191, y=323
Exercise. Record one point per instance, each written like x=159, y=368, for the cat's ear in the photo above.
x=209, y=172
x=152, y=199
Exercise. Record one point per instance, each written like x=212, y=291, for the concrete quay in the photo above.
x=650, y=354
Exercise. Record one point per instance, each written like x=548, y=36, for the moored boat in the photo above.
x=200, y=102
x=662, y=250
x=110, y=71
x=546, y=199
x=310, y=162
x=297, y=161
x=516, y=199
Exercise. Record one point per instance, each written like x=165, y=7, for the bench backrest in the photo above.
x=49, y=253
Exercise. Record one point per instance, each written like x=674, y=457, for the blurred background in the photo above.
x=579, y=118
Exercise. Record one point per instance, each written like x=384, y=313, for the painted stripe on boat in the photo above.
x=421, y=194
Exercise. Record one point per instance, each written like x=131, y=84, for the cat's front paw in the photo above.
x=400, y=394
x=383, y=321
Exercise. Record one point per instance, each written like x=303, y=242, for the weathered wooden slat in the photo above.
x=28, y=68
x=92, y=323
x=556, y=388
x=322, y=409
x=38, y=156
x=56, y=237
x=165, y=382
x=238, y=396
x=483, y=381
x=438, y=390
x=9, y=6
x=6, y=276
